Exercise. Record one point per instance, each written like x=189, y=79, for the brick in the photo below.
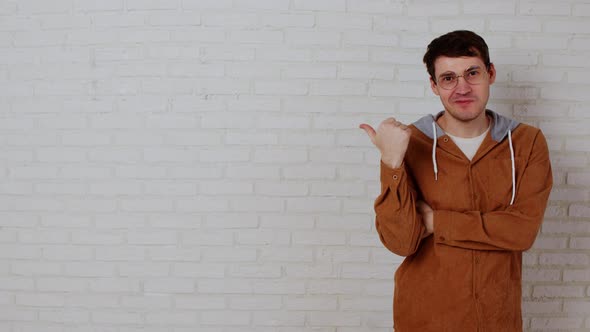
x=383, y=24
x=321, y=5
x=431, y=9
x=375, y=7
x=577, y=210
x=56, y=284
x=279, y=318
x=282, y=87
x=256, y=270
x=576, y=275
x=550, y=243
x=169, y=285
x=558, y=291
x=65, y=315
x=318, y=238
x=552, y=307
x=261, y=204
x=301, y=38
x=334, y=319
x=286, y=222
x=543, y=8
x=565, y=227
x=307, y=139
x=279, y=287
x=284, y=122
x=226, y=317
x=42, y=7
x=563, y=60
x=253, y=172
x=268, y=71
x=262, y=4
x=236, y=286
x=247, y=139
x=362, y=38
x=577, y=307
x=490, y=8
x=283, y=54
x=457, y=24
x=556, y=322
x=206, y=238
x=206, y=4
x=313, y=205
x=150, y=4
x=564, y=259
x=242, y=20
x=281, y=188
x=264, y=237
x=113, y=285
x=175, y=19
x=170, y=318
x=227, y=220
x=521, y=25
x=224, y=155
x=92, y=6
x=143, y=269
x=387, y=89
x=277, y=20
x=293, y=156
x=569, y=195
x=536, y=275
x=265, y=302
x=256, y=37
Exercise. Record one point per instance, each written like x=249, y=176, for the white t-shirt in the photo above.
x=470, y=145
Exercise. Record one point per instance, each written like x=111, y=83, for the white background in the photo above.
x=195, y=165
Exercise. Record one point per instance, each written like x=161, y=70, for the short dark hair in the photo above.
x=456, y=44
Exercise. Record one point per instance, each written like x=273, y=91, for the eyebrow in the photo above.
x=447, y=73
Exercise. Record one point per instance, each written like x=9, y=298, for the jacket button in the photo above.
x=446, y=139
x=395, y=177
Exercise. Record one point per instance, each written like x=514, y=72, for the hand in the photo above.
x=391, y=138
x=427, y=217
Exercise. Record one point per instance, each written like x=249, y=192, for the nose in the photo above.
x=462, y=86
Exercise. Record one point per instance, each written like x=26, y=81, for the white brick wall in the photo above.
x=195, y=165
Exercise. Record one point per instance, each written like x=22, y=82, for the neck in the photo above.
x=464, y=129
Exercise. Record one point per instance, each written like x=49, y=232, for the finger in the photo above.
x=403, y=126
x=369, y=130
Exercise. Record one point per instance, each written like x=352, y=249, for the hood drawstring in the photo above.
x=513, y=167
x=434, y=151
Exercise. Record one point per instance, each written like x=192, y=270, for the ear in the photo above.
x=492, y=72
x=434, y=87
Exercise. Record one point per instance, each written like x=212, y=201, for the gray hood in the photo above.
x=500, y=126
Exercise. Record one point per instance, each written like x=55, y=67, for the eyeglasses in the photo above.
x=472, y=76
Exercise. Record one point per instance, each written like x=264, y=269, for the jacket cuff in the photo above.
x=392, y=177
x=443, y=227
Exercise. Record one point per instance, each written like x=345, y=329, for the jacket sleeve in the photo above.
x=514, y=228
x=399, y=226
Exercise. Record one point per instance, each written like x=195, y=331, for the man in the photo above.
x=463, y=194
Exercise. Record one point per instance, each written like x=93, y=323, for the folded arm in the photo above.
x=514, y=228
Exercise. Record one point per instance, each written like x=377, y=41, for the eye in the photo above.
x=474, y=73
x=447, y=78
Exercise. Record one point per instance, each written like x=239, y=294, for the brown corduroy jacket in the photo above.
x=466, y=277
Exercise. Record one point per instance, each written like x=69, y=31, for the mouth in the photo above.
x=464, y=101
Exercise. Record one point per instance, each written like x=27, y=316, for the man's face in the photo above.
x=465, y=102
